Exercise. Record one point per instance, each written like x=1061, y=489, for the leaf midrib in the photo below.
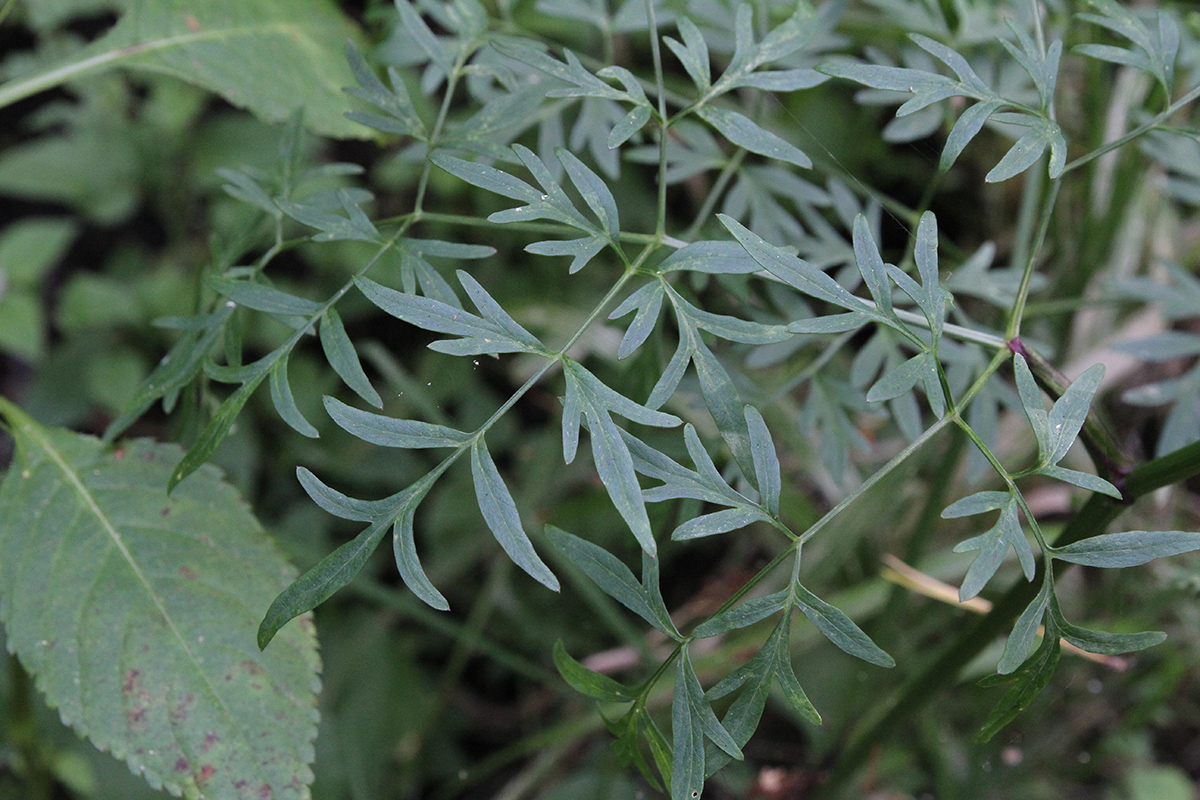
x=91, y=505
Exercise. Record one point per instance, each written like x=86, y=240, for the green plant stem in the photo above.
x=1014, y=320
x=660, y=224
x=917, y=692
x=1146, y=127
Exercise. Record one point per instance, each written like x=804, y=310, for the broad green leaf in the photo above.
x=741, y=615
x=1128, y=549
x=589, y=682
x=766, y=461
x=271, y=57
x=263, y=298
x=840, y=629
x=135, y=613
x=500, y=513
x=285, y=404
x=1024, y=632
x=391, y=432
x=744, y=132
x=608, y=572
x=1030, y=679
x=340, y=353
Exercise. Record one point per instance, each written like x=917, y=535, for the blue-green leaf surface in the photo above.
x=146, y=642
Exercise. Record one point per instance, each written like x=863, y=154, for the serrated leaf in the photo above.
x=341, y=355
x=227, y=46
x=745, y=133
x=766, y=461
x=840, y=629
x=285, y=404
x=608, y=572
x=500, y=513
x=1128, y=549
x=145, y=644
x=588, y=682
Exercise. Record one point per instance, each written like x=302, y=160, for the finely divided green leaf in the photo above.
x=588, y=682
x=608, y=572
x=337, y=503
x=840, y=629
x=744, y=132
x=766, y=461
x=500, y=513
x=261, y=297
x=145, y=644
x=1031, y=678
x=1024, y=632
x=321, y=582
x=404, y=548
x=340, y=353
x=214, y=432
x=1129, y=548
x=285, y=404
x=742, y=615
x=391, y=432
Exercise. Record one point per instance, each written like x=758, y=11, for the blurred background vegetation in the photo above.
x=110, y=211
